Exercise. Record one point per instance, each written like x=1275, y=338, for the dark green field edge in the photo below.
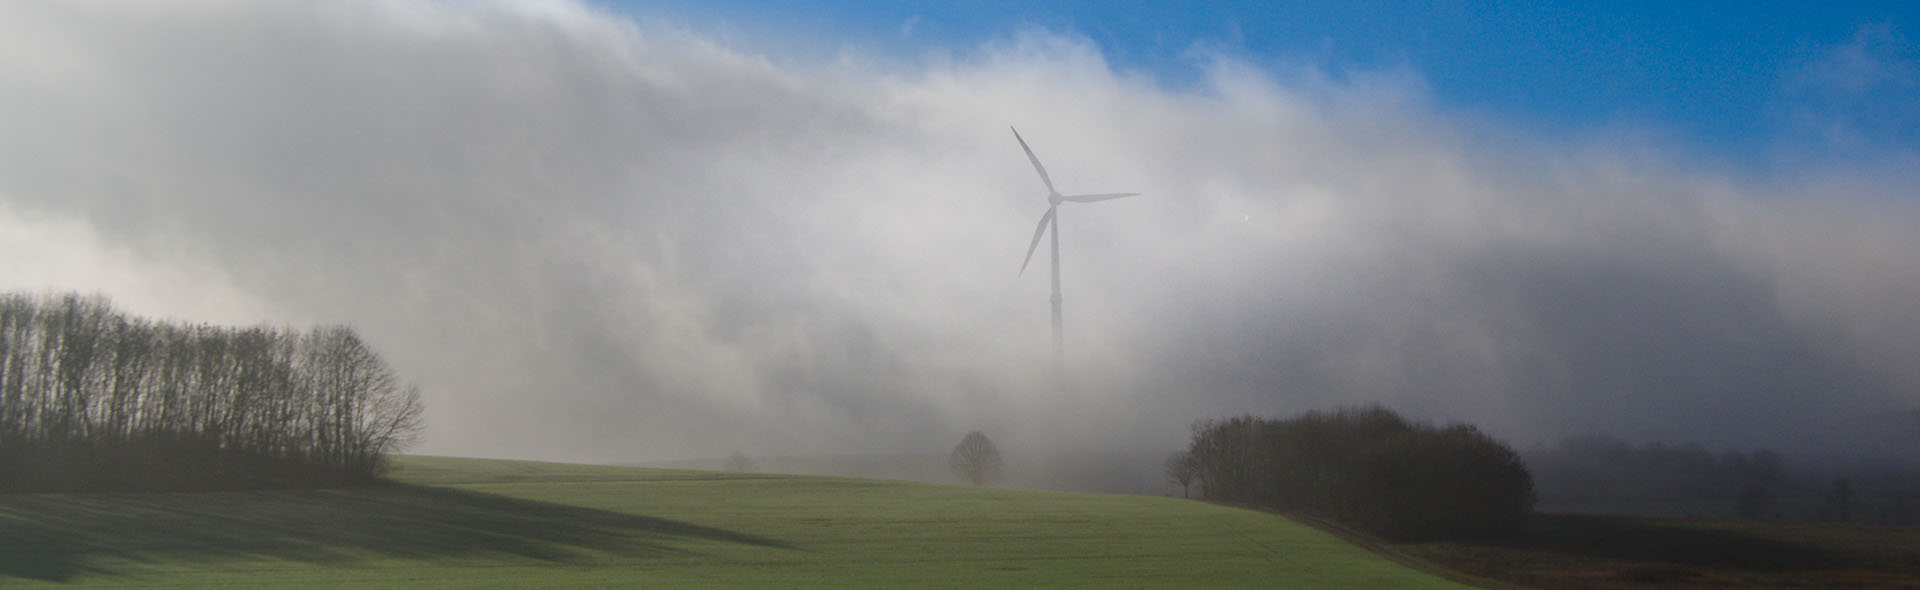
x=1560, y=550
x=1391, y=553
x=1650, y=550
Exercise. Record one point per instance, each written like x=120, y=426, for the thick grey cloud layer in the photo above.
x=592, y=239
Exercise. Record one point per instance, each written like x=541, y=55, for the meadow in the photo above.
x=468, y=523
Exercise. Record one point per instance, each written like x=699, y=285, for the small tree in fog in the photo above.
x=738, y=462
x=1182, y=469
x=976, y=460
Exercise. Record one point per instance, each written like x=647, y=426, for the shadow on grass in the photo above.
x=58, y=536
x=1655, y=542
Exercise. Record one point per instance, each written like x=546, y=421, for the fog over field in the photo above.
x=588, y=237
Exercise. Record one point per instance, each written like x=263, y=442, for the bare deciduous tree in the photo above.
x=93, y=399
x=739, y=461
x=976, y=460
x=1182, y=469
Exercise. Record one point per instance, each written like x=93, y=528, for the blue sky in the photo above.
x=1733, y=79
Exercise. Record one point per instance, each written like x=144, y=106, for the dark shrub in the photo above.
x=1369, y=468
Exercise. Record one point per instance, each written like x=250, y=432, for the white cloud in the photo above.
x=597, y=240
x=1856, y=99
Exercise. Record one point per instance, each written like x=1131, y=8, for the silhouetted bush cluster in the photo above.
x=1368, y=468
x=91, y=399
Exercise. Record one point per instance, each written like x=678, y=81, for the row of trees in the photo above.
x=1365, y=467
x=1586, y=472
x=92, y=399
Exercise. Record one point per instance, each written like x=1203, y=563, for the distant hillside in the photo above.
x=1107, y=473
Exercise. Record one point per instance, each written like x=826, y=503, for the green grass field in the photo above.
x=483, y=523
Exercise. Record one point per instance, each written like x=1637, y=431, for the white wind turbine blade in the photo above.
x=1036, y=162
x=1037, y=232
x=1093, y=198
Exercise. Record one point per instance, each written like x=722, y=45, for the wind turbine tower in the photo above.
x=1050, y=225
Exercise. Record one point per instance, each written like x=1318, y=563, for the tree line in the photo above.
x=93, y=399
x=1365, y=467
x=1592, y=472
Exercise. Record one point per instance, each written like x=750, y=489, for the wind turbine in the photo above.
x=1050, y=221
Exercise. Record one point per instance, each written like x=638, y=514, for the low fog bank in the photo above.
x=1599, y=474
x=594, y=239
x=1593, y=474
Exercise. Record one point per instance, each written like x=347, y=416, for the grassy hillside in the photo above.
x=482, y=523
